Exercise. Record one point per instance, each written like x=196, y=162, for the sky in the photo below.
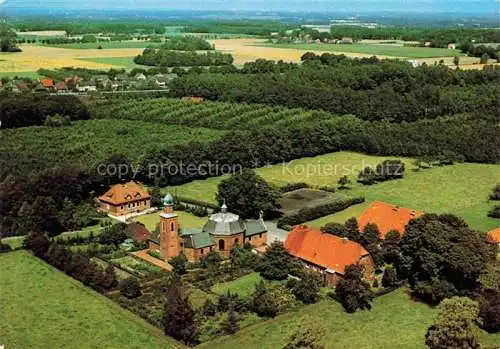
x=486, y=6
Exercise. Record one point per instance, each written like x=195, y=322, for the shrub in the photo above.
x=494, y=212
x=57, y=121
x=495, y=194
x=130, y=288
x=293, y=186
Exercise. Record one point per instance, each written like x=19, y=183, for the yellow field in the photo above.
x=35, y=57
x=244, y=51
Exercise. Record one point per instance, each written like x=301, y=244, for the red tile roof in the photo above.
x=138, y=232
x=387, y=217
x=494, y=236
x=124, y=193
x=47, y=83
x=323, y=249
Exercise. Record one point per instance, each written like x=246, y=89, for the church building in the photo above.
x=220, y=233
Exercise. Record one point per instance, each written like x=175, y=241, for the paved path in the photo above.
x=143, y=254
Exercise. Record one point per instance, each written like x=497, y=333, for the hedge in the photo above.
x=309, y=214
x=201, y=203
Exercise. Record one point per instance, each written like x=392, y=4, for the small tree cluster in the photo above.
x=271, y=301
x=353, y=291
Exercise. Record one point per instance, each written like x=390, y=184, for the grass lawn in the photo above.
x=243, y=286
x=339, y=217
x=108, y=45
x=186, y=220
x=395, y=322
x=20, y=74
x=461, y=189
x=124, y=62
x=40, y=307
x=374, y=49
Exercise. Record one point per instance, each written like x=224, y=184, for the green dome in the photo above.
x=168, y=200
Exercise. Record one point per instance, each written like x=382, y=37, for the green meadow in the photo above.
x=394, y=322
x=461, y=189
x=123, y=62
x=186, y=220
x=40, y=307
x=373, y=49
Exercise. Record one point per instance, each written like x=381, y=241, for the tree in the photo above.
x=307, y=288
x=130, y=288
x=243, y=257
x=454, y=325
x=156, y=197
x=343, y=182
x=270, y=301
x=306, y=337
x=367, y=176
x=113, y=235
x=276, y=263
x=38, y=243
x=248, y=194
x=441, y=255
x=390, y=278
x=495, y=193
x=179, y=317
x=354, y=292
x=484, y=59
x=391, y=247
x=490, y=313
x=110, y=279
x=230, y=325
x=352, y=227
x=179, y=264
x=7, y=39
x=494, y=212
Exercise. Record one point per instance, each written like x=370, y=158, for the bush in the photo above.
x=307, y=288
x=495, y=194
x=57, y=121
x=494, y=212
x=180, y=264
x=4, y=247
x=390, y=278
x=130, y=288
x=312, y=213
x=293, y=186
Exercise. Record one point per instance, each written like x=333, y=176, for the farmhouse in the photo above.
x=387, y=217
x=221, y=233
x=328, y=254
x=493, y=237
x=126, y=198
x=47, y=83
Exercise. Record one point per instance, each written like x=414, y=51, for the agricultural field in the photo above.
x=89, y=142
x=186, y=220
x=105, y=44
x=394, y=313
x=215, y=115
x=38, y=301
x=123, y=62
x=461, y=189
x=33, y=57
x=399, y=51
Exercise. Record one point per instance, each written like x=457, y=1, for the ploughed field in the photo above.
x=40, y=307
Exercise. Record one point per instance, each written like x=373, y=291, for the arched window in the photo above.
x=221, y=245
x=236, y=241
x=172, y=226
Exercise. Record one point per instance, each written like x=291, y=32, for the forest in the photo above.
x=163, y=57
x=368, y=88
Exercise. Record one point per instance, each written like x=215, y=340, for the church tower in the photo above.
x=170, y=242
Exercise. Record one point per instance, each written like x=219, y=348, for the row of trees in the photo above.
x=72, y=263
x=32, y=109
x=165, y=58
x=8, y=39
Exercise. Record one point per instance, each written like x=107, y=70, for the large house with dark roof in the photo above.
x=387, y=217
x=328, y=254
x=220, y=233
x=125, y=198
